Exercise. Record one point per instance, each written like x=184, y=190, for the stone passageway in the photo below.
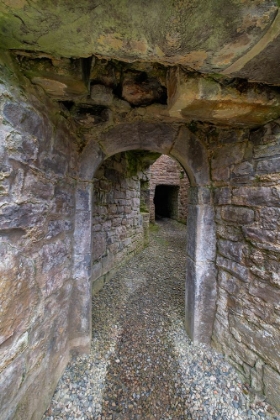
x=142, y=364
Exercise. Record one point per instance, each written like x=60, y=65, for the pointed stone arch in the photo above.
x=181, y=144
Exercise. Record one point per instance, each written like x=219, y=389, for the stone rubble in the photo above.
x=142, y=364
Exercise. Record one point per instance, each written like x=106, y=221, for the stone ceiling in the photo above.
x=236, y=37
x=212, y=46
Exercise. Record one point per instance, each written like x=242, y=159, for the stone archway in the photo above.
x=181, y=144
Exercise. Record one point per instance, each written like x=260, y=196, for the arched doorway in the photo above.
x=191, y=153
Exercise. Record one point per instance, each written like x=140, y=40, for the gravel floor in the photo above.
x=142, y=364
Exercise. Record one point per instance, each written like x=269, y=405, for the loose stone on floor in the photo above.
x=142, y=364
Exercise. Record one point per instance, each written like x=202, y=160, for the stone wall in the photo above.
x=246, y=174
x=54, y=231
x=36, y=231
x=117, y=223
x=166, y=171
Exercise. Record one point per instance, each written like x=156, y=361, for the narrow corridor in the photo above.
x=142, y=364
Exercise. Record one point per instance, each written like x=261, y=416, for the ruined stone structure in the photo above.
x=168, y=185
x=118, y=224
x=83, y=82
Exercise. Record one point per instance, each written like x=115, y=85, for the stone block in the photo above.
x=263, y=340
x=96, y=270
x=271, y=379
x=82, y=232
x=82, y=265
x=229, y=282
x=54, y=254
x=266, y=150
x=63, y=201
x=237, y=214
x=266, y=239
x=230, y=232
x=268, y=166
x=269, y=217
x=101, y=95
x=24, y=119
x=231, y=250
x=266, y=292
x=222, y=196
x=15, y=346
x=36, y=187
x=201, y=230
x=242, y=169
x=256, y=196
x=199, y=195
x=191, y=153
x=23, y=147
x=257, y=378
x=11, y=380
x=229, y=154
x=140, y=93
x=17, y=284
x=201, y=294
x=56, y=164
x=56, y=227
x=220, y=174
x=22, y=216
x=243, y=173
x=83, y=196
x=98, y=245
x=236, y=269
x=192, y=97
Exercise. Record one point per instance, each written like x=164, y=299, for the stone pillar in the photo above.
x=201, y=288
x=80, y=308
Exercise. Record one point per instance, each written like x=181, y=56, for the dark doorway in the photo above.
x=166, y=201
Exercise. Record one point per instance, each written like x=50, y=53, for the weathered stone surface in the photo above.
x=101, y=95
x=231, y=250
x=227, y=155
x=200, y=228
x=237, y=214
x=271, y=380
x=139, y=90
x=257, y=196
x=22, y=216
x=200, y=293
x=191, y=152
x=266, y=292
x=19, y=292
x=222, y=196
x=24, y=118
x=269, y=217
x=238, y=270
x=232, y=233
x=268, y=166
x=266, y=239
x=194, y=98
x=243, y=172
x=10, y=383
x=229, y=282
x=36, y=220
x=156, y=37
x=262, y=341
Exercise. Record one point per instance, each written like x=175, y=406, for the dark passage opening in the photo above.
x=166, y=201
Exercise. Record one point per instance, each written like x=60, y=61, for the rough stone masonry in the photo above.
x=84, y=87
